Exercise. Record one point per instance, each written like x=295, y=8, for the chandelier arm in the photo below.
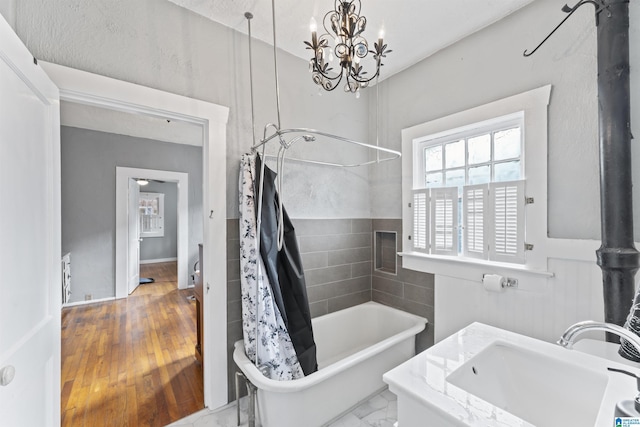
x=332, y=79
x=336, y=5
x=328, y=76
x=324, y=20
x=359, y=6
x=349, y=46
x=365, y=80
x=332, y=88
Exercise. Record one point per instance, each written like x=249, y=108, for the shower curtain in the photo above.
x=285, y=272
x=266, y=340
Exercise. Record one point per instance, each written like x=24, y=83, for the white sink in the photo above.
x=532, y=385
x=485, y=376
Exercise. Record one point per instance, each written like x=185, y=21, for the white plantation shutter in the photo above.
x=444, y=221
x=507, y=206
x=421, y=220
x=476, y=218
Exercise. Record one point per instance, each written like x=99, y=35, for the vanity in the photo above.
x=486, y=376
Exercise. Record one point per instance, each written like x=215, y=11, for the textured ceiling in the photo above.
x=414, y=29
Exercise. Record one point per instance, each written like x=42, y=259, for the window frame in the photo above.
x=467, y=132
x=459, y=230
x=157, y=219
x=534, y=105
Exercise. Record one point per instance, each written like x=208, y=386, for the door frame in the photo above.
x=100, y=91
x=133, y=224
x=40, y=336
x=123, y=174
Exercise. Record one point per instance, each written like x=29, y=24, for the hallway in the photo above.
x=130, y=362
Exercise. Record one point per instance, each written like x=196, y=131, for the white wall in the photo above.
x=540, y=307
x=488, y=66
x=158, y=44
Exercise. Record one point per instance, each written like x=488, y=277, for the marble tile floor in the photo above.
x=381, y=410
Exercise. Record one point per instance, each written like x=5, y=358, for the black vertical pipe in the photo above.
x=617, y=257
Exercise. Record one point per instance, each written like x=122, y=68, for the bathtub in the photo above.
x=355, y=346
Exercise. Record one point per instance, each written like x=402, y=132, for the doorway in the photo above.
x=125, y=246
x=89, y=89
x=156, y=223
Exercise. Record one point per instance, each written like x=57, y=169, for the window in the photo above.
x=469, y=180
x=151, y=215
x=484, y=156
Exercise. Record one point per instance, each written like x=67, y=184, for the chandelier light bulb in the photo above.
x=313, y=26
x=343, y=36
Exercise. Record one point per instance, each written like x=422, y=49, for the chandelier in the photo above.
x=343, y=39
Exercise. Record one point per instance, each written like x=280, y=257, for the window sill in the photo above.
x=466, y=268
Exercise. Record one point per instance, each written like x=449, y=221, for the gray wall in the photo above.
x=406, y=290
x=489, y=65
x=89, y=161
x=336, y=256
x=8, y=11
x=158, y=44
x=337, y=259
x=166, y=246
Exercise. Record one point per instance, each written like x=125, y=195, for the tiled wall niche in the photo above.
x=385, y=249
x=407, y=290
x=338, y=258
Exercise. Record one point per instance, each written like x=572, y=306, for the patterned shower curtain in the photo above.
x=266, y=340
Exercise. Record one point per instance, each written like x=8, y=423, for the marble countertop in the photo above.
x=424, y=377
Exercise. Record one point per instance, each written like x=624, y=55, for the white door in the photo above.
x=133, y=225
x=30, y=251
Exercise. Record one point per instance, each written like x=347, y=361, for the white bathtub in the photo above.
x=355, y=347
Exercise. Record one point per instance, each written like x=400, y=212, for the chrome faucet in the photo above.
x=624, y=408
x=571, y=334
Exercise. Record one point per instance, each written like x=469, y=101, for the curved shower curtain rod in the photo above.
x=303, y=134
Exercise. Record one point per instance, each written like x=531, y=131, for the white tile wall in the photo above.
x=540, y=307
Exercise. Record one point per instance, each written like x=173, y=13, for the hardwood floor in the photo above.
x=130, y=362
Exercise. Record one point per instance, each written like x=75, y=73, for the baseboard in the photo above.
x=91, y=301
x=155, y=261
